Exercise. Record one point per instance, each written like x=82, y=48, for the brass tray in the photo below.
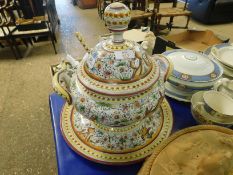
x=147, y=166
x=110, y=158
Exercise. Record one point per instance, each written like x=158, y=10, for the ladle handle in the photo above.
x=82, y=41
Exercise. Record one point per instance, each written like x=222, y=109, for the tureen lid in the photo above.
x=193, y=66
x=117, y=64
x=117, y=60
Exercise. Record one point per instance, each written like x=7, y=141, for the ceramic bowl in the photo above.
x=223, y=53
x=218, y=104
x=201, y=104
x=227, y=71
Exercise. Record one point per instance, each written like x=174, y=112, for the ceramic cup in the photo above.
x=224, y=85
x=202, y=116
x=218, y=105
x=197, y=109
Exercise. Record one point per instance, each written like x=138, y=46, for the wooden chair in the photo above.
x=140, y=12
x=6, y=38
x=170, y=12
x=100, y=7
x=26, y=29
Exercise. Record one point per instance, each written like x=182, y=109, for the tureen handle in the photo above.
x=165, y=66
x=61, y=81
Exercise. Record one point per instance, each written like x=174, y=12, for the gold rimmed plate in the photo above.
x=110, y=158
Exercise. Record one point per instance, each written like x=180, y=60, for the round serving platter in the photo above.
x=148, y=165
x=99, y=156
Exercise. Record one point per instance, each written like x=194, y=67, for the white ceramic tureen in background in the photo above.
x=192, y=72
x=116, y=86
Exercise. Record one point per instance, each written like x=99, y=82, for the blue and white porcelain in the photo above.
x=193, y=67
x=192, y=72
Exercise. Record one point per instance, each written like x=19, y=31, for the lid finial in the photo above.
x=117, y=18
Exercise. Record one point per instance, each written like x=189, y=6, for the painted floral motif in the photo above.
x=117, y=114
x=106, y=66
x=213, y=75
x=139, y=135
x=184, y=76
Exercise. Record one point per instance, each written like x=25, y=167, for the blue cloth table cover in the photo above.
x=70, y=163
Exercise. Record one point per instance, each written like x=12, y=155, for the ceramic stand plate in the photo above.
x=109, y=158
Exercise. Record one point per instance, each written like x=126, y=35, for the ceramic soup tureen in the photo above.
x=115, y=85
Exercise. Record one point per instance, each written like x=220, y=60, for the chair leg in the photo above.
x=30, y=41
x=13, y=45
x=18, y=52
x=53, y=43
x=158, y=25
x=170, y=23
x=152, y=23
x=34, y=39
x=15, y=54
x=146, y=21
x=25, y=42
x=188, y=19
x=55, y=38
